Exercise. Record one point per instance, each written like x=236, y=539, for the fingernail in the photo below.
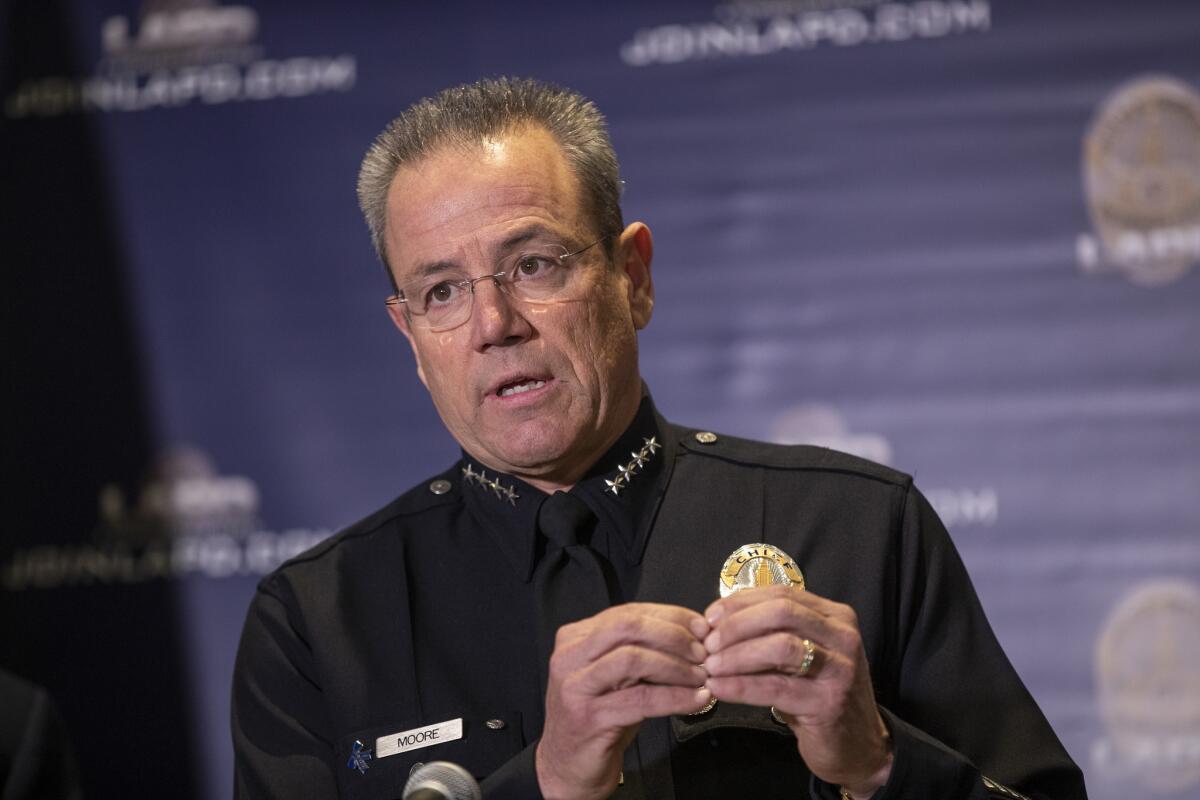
x=699, y=627
x=703, y=695
x=714, y=613
x=713, y=642
x=698, y=652
x=713, y=663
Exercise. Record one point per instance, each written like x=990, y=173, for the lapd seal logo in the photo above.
x=1141, y=176
x=1149, y=688
x=758, y=565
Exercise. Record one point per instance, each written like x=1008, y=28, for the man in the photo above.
x=546, y=611
x=36, y=758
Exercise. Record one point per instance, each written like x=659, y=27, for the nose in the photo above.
x=495, y=319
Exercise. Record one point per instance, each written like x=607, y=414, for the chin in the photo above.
x=533, y=453
x=534, y=461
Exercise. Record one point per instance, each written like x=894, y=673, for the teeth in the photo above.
x=519, y=388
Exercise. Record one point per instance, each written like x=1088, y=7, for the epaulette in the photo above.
x=749, y=452
x=438, y=490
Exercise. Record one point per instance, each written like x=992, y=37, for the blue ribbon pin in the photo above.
x=360, y=754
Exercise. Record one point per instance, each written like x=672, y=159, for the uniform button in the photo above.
x=440, y=486
x=706, y=437
x=496, y=724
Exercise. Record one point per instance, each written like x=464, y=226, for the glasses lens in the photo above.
x=543, y=274
x=538, y=276
x=442, y=304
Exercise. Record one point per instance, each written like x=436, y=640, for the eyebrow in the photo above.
x=521, y=236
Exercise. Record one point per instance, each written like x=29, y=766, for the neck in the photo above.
x=548, y=486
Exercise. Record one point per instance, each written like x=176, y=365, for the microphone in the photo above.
x=441, y=780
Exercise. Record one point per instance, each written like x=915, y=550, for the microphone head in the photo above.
x=450, y=780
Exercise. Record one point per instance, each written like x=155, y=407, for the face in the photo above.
x=572, y=363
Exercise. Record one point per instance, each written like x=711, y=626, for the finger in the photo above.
x=749, y=597
x=694, y=623
x=780, y=613
x=656, y=627
x=646, y=701
x=685, y=618
x=785, y=653
x=795, y=696
x=630, y=665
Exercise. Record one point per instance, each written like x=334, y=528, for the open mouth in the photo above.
x=520, y=387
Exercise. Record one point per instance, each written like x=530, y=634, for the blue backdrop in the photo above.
x=957, y=237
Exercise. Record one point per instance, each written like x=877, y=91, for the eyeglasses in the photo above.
x=540, y=275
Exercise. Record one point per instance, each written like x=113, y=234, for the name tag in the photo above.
x=417, y=738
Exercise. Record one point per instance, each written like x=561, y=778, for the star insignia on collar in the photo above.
x=626, y=472
x=498, y=489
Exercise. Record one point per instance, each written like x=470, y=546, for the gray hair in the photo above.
x=466, y=115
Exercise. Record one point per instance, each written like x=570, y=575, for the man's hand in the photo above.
x=756, y=652
x=607, y=674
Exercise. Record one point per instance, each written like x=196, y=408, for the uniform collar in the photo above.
x=623, y=488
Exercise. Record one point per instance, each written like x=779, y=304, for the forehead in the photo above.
x=462, y=200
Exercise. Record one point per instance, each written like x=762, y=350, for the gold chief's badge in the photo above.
x=758, y=565
x=755, y=565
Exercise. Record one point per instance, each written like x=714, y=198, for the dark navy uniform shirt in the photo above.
x=424, y=613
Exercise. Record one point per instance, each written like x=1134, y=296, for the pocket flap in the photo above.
x=728, y=715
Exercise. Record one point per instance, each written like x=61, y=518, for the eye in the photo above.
x=441, y=293
x=534, y=267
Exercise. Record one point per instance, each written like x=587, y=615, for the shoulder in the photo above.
x=720, y=450
x=425, y=507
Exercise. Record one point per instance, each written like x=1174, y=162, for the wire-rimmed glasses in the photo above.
x=540, y=274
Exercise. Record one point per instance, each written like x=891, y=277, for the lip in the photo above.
x=525, y=397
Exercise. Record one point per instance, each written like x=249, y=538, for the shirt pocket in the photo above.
x=485, y=745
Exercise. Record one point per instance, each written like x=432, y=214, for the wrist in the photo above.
x=550, y=785
x=867, y=789
x=555, y=786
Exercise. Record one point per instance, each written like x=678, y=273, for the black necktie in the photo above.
x=573, y=582
x=570, y=579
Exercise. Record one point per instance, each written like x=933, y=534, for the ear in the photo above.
x=399, y=314
x=636, y=251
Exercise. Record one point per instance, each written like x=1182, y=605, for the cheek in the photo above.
x=604, y=338
x=441, y=373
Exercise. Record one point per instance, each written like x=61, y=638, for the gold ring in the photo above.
x=810, y=655
x=709, y=706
